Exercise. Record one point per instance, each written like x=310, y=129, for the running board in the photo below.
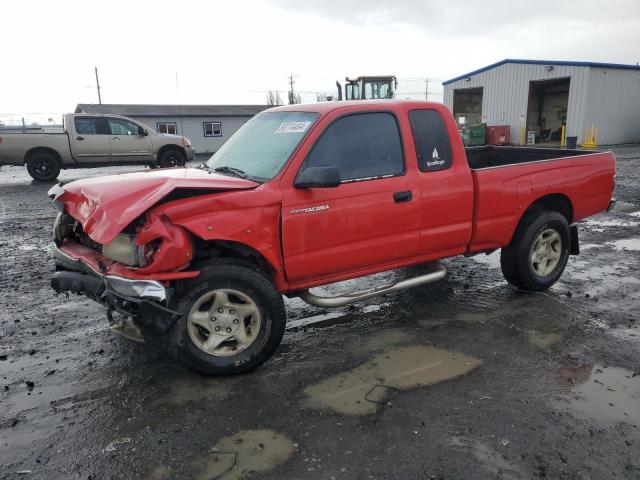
x=438, y=273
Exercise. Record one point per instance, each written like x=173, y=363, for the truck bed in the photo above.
x=494, y=156
x=507, y=180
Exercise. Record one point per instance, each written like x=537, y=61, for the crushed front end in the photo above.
x=119, y=274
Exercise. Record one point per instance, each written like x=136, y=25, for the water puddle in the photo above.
x=359, y=391
x=543, y=340
x=185, y=390
x=246, y=452
x=380, y=341
x=607, y=395
x=630, y=244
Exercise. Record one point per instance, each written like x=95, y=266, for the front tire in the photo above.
x=43, y=166
x=233, y=320
x=172, y=157
x=538, y=252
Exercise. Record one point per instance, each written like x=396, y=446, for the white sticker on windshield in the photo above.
x=293, y=127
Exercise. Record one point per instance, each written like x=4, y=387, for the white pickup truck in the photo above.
x=93, y=140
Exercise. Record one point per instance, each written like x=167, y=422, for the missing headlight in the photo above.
x=123, y=249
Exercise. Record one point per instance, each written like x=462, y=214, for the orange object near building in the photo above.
x=498, y=135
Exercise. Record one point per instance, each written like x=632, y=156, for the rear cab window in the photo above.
x=433, y=146
x=362, y=146
x=91, y=126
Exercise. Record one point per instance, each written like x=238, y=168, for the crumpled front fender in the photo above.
x=175, y=249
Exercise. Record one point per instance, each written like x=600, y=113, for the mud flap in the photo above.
x=575, y=245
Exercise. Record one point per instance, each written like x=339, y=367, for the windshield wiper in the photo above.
x=234, y=171
x=204, y=166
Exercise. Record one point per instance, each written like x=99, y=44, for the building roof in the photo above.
x=133, y=110
x=543, y=62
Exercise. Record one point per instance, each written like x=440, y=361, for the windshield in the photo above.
x=262, y=146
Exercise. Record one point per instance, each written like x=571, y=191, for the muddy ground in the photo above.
x=463, y=379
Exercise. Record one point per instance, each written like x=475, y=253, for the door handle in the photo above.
x=79, y=138
x=115, y=138
x=401, y=197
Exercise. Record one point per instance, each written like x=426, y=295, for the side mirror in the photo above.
x=142, y=131
x=318, y=177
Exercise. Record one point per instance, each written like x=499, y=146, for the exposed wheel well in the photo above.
x=164, y=148
x=556, y=202
x=36, y=150
x=208, y=250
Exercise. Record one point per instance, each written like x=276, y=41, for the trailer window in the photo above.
x=431, y=139
x=362, y=146
x=212, y=129
x=167, y=127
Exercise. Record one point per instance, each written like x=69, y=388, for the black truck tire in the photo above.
x=43, y=166
x=172, y=157
x=228, y=299
x=538, y=252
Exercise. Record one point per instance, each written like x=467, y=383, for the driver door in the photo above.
x=372, y=218
x=127, y=144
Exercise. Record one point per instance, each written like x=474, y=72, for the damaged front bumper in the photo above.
x=145, y=301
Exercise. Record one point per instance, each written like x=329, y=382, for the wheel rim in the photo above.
x=42, y=166
x=545, y=252
x=224, y=322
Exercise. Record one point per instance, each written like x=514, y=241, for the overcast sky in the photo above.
x=233, y=51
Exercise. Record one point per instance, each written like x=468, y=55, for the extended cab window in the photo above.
x=361, y=146
x=122, y=127
x=431, y=139
x=91, y=126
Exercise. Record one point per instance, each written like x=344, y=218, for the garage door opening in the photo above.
x=467, y=103
x=547, y=110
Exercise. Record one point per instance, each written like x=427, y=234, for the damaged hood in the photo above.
x=106, y=205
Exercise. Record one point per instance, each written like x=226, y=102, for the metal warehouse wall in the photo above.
x=613, y=105
x=506, y=93
x=193, y=130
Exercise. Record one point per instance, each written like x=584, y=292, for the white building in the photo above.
x=207, y=126
x=540, y=96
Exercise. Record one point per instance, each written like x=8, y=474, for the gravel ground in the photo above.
x=481, y=381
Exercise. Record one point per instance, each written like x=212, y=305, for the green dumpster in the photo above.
x=477, y=134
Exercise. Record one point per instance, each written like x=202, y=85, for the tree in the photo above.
x=274, y=98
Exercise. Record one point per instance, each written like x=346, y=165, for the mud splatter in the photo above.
x=543, y=340
x=404, y=368
x=246, y=452
x=491, y=461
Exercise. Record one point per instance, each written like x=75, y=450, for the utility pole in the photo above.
x=98, y=87
x=426, y=89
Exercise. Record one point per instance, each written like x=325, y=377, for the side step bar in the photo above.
x=438, y=273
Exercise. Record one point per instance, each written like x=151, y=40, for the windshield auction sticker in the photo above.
x=292, y=127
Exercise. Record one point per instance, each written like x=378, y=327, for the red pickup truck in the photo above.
x=307, y=195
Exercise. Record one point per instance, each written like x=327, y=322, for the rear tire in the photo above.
x=43, y=166
x=230, y=307
x=538, y=252
x=172, y=157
